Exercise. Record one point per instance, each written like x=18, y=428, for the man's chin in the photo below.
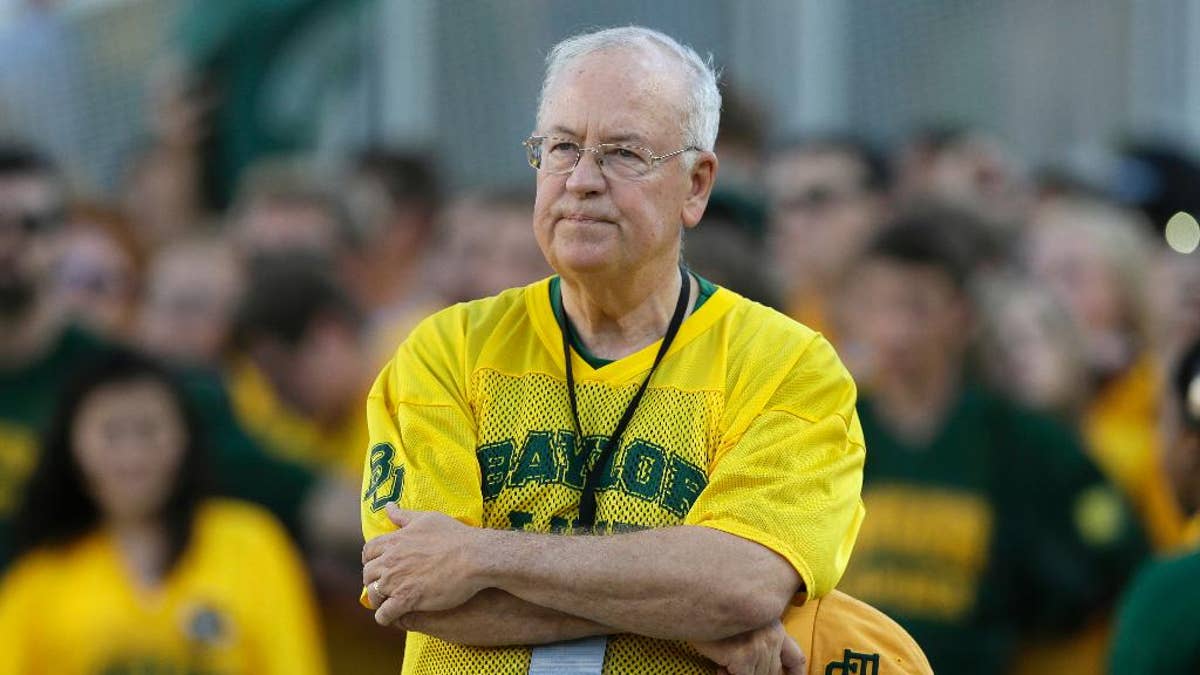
x=586, y=258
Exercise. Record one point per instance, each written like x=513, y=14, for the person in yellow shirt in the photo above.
x=711, y=443
x=125, y=566
x=300, y=381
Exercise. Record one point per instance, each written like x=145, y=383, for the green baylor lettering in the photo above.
x=494, y=462
x=536, y=463
x=641, y=469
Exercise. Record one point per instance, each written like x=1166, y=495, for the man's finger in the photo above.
x=390, y=612
x=401, y=517
x=375, y=548
x=792, y=658
x=763, y=663
x=372, y=571
x=375, y=596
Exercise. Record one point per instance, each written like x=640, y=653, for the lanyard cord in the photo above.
x=587, y=500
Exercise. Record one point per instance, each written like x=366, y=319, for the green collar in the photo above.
x=707, y=288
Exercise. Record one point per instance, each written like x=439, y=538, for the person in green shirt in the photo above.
x=40, y=350
x=985, y=521
x=1158, y=627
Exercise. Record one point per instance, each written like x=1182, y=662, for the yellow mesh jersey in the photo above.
x=238, y=603
x=748, y=426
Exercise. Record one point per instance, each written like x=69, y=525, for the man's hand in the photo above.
x=425, y=566
x=766, y=651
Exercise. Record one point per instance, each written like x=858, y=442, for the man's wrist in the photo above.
x=486, y=555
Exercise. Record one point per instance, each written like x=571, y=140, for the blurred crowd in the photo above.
x=1012, y=331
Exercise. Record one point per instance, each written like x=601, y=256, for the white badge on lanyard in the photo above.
x=576, y=657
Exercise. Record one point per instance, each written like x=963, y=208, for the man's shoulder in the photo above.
x=758, y=330
x=776, y=362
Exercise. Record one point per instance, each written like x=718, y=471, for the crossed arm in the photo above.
x=489, y=588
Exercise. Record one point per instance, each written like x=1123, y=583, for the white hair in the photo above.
x=702, y=106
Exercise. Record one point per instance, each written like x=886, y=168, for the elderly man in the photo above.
x=712, y=440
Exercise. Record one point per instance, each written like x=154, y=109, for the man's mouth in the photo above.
x=584, y=218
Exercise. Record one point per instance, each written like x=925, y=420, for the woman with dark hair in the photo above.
x=126, y=565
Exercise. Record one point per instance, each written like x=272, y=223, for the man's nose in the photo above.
x=588, y=177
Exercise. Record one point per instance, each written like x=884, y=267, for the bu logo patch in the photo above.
x=387, y=480
x=854, y=663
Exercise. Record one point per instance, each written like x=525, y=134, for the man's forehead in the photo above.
x=628, y=95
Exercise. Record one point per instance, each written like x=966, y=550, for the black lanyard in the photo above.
x=587, y=500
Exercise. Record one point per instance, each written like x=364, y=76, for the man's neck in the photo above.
x=614, y=320
x=915, y=408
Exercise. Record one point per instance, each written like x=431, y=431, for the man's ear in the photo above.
x=701, y=178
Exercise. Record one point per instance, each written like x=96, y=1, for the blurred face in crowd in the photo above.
x=269, y=227
x=1074, y=254
x=487, y=249
x=93, y=279
x=400, y=226
x=192, y=291
x=1075, y=269
x=329, y=370
x=1034, y=354
x=821, y=214
x=323, y=375
x=28, y=217
x=909, y=320
x=128, y=440
x=975, y=173
x=589, y=223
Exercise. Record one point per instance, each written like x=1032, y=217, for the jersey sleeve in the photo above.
x=421, y=451
x=792, y=480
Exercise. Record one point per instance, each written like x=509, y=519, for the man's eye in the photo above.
x=564, y=148
x=626, y=153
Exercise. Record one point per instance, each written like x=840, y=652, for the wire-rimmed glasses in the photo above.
x=553, y=155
